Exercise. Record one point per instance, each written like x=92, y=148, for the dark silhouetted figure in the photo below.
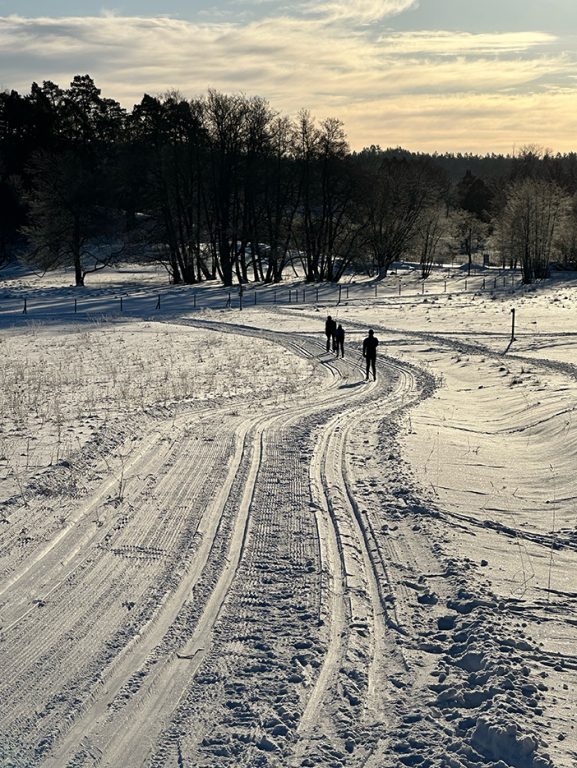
x=370, y=345
x=330, y=331
x=340, y=340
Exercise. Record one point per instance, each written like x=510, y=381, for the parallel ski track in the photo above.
x=137, y=648
x=355, y=611
x=81, y=606
x=166, y=685
x=358, y=615
x=348, y=554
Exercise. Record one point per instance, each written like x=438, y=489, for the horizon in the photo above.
x=429, y=76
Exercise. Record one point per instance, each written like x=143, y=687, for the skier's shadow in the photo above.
x=352, y=385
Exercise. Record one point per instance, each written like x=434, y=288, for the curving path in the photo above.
x=216, y=596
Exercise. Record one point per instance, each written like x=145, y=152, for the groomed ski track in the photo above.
x=218, y=598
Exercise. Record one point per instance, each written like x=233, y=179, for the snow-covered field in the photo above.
x=220, y=546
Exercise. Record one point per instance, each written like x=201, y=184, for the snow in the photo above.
x=220, y=546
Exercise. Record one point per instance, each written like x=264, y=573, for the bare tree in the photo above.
x=69, y=225
x=398, y=193
x=566, y=242
x=432, y=234
x=471, y=232
x=326, y=229
x=534, y=213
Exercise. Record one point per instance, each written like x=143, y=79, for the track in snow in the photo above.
x=227, y=605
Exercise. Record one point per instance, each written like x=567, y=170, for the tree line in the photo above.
x=225, y=187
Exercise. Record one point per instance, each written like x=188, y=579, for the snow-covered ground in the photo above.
x=220, y=546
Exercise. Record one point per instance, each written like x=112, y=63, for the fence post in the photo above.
x=193, y=299
x=274, y=295
x=121, y=307
x=483, y=284
x=445, y=288
x=512, y=325
x=423, y=286
x=376, y=290
x=317, y=290
x=465, y=285
x=399, y=286
x=158, y=302
x=304, y=294
x=255, y=297
x=340, y=294
x=25, y=310
x=290, y=296
x=75, y=306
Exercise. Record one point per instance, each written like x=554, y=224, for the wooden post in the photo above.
x=317, y=290
x=158, y=302
x=274, y=295
x=121, y=309
x=25, y=310
x=512, y=325
x=75, y=306
x=193, y=299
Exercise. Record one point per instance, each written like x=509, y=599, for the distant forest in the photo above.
x=225, y=187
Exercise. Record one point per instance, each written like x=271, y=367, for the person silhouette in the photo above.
x=370, y=345
x=340, y=340
x=330, y=330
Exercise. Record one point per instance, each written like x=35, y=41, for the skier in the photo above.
x=330, y=330
x=340, y=340
x=370, y=345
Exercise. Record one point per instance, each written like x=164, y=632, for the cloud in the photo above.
x=335, y=69
x=464, y=43
x=361, y=11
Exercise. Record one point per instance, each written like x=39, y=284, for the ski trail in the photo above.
x=134, y=735
x=284, y=513
x=355, y=609
x=135, y=653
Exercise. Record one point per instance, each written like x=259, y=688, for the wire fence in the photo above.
x=146, y=301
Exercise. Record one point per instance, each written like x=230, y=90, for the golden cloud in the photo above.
x=388, y=90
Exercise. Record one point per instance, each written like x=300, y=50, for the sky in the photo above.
x=428, y=75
